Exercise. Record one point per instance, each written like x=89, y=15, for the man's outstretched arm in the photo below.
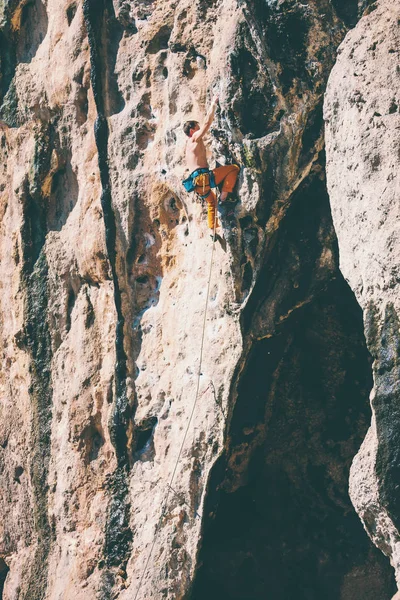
x=207, y=123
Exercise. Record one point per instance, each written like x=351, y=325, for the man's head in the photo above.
x=190, y=127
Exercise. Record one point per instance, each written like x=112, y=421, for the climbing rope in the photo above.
x=171, y=481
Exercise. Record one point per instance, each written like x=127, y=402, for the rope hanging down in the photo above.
x=169, y=487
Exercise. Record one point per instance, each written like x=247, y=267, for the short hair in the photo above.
x=188, y=126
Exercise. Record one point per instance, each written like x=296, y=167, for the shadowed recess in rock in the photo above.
x=94, y=17
x=347, y=10
x=63, y=196
x=4, y=569
x=34, y=230
x=313, y=130
x=301, y=258
x=105, y=33
x=38, y=343
x=144, y=439
x=160, y=40
x=92, y=439
x=19, y=43
x=384, y=343
x=253, y=96
x=71, y=12
x=284, y=33
x=32, y=30
x=286, y=29
x=287, y=529
x=52, y=189
x=81, y=98
x=7, y=64
x=101, y=25
x=118, y=535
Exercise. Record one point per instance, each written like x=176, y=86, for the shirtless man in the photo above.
x=201, y=175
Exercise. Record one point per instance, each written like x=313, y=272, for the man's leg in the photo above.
x=211, y=208
x=211, y=203
x=228, y=174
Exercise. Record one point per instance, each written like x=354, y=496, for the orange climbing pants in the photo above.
x=228, y=176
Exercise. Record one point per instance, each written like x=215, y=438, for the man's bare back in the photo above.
x=196, y=156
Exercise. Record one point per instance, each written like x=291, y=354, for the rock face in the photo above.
x=363, y=120
x=177, y=419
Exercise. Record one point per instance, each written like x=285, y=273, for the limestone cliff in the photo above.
x=363, y=121
x=115, y=482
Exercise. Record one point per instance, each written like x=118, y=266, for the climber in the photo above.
x=202, y=178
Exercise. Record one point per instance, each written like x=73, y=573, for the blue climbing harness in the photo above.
x=198, y=178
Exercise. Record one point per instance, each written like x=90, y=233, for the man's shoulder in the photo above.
x=191, y=145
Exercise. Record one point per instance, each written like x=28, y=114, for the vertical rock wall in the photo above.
x=108, y=469
x=362, y=115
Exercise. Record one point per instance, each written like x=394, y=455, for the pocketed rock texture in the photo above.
x=114, y=482
x=363, y=148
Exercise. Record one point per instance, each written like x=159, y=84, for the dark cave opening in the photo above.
x=4, y=569
x=144, y=447
x=280, y=521
x=287, y=527
x=284, y=33
x=71, y=12
x=160, y=40
x=254, y=103
x=347, y=11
